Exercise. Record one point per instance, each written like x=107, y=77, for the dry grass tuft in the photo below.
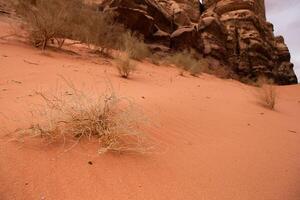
x=100, y=32
x=44, y=19
x=125, y=66
x=267, y=92
x=134, y=46
x=156, y=59
x=185, y=61
x=114, y=121
x=268, y=96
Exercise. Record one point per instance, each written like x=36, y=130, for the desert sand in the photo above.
x=214, y=141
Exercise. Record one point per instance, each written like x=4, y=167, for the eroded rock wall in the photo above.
x=252, y=49
x=235, y=32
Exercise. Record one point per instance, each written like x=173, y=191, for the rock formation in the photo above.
x=251, y=47
x=235, y=32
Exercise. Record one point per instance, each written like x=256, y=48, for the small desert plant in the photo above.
x=198, y=68
x=156, y=59
x=99, y=31
x=125, y=66
x=113, y=120
x=56, y=20
x=134, y=46
x=45, y=19
x=219, y=71
x=187, y=62
x=267, y=92
x=268, y=96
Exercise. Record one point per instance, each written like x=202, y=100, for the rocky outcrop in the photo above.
x=235, y=32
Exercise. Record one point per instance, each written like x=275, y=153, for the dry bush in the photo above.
x=187, y=62
x=268, y=96
x=56, y=20
x=45, y=19
x=100, y=31
x=156, y=59
x=125, y=66
x=134, y=46
x=220, y=71
x=267, y=92
x=114, y=121
x=198, y=68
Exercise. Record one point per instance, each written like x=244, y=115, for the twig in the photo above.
x=31, y=63
x=292, y=131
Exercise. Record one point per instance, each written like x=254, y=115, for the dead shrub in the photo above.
x=187, y=62
x=125, y=66
x=45, y=20
x=100, y=31
x=220, y=71
x=156, y=59
x=113, y=120
x=267, y=92
x=268, y=96
x=134, y=46
x=198, y=67
x=55, y=20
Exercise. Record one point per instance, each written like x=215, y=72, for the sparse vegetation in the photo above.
x=134, y=46
x=198, y=68
x=100, y=31
x=125, y=66
x=114, y=121
x=45, y=20
x=269, y=96
x=156, y=59
x=219, y=71
x=50, y=21
x=54, y=20
x=267, y=93
x=187, y=62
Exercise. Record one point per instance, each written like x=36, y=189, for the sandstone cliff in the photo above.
x=235, y=32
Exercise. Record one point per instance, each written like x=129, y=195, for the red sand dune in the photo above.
x=215, y=142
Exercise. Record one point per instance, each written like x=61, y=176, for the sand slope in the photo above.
x=214, y=141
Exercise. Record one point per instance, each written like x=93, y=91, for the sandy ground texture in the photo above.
x=214, y=140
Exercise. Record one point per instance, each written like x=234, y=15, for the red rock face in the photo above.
x=235, y=32
x=257, y=6
x=252, y=49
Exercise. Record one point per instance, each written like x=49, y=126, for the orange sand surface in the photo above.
x=214, y=140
